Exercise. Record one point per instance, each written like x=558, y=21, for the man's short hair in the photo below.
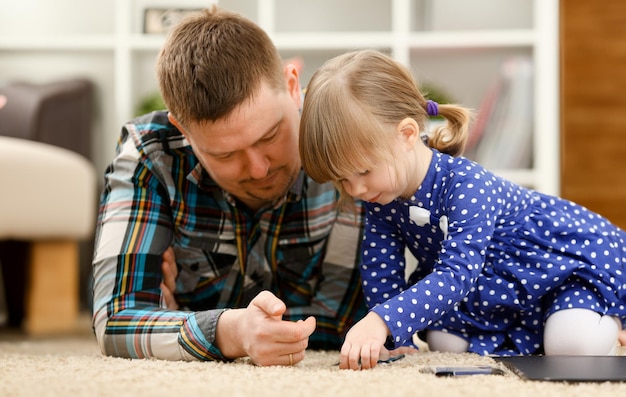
x=212, y=62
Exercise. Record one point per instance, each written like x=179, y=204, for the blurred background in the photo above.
x=545, y=77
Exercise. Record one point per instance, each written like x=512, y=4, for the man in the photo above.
x=216, y=187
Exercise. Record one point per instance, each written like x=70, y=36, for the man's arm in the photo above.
x=131, y=318
x=134, y=229
x=232, y=327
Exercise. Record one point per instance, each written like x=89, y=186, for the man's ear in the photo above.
x=173, y=120
x=408, y=132
x=292, y=77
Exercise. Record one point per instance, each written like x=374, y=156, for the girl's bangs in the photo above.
x=355, y=145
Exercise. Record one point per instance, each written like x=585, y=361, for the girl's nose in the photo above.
x=354, y=188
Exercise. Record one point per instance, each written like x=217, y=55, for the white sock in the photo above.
x=441, y=341
x=580, y=332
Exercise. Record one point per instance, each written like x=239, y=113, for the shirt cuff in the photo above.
x=198, y=335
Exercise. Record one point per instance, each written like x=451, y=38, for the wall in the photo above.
x=593, y=105
x=41, y=40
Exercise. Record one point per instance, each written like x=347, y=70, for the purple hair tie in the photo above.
x=432, y=108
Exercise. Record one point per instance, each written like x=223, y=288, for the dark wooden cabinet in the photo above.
x=593, y=105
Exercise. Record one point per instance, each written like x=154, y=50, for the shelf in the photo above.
x=146, y=41
x=289, y=41
x=57, y=43
x=292, y=41
x=457, y=44
x=329, y=41
x=472, y=39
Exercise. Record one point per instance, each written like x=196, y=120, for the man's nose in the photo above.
x=258, y=164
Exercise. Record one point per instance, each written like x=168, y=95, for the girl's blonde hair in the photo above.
x=352, y=106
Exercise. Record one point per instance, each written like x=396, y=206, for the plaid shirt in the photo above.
x=156, y=195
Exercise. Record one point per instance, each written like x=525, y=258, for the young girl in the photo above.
x=501, y=269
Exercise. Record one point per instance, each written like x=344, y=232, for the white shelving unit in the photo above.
x=456, y=44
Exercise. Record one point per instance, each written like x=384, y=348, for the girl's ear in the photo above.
x=408, y=132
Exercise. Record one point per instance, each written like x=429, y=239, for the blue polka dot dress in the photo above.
x=494, y=260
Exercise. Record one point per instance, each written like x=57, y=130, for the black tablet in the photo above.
x=568, y=368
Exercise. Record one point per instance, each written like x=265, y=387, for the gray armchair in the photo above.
x=59, y=113
x=47, y=201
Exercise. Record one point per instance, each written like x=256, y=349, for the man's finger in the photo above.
x=295, y=332
x=307, y=327
x=289, y=336
x=269, y=304
x=169, y=269
x=168, y=297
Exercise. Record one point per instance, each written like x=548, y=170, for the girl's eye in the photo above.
x=364, y=172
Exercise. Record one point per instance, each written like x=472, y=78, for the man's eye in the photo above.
x=224, y=156
x=270, y=137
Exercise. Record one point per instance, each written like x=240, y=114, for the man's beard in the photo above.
x=272, y=192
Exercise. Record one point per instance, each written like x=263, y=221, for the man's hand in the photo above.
x=364, y=343
x=170, y=272
x=259, y=332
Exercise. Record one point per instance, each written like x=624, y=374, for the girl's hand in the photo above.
x=364, y=343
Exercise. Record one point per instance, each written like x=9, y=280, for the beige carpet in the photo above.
x=73, y=366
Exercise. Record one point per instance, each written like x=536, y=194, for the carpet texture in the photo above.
x=73, y=366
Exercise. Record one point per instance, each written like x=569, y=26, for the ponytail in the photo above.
x=450, y=138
